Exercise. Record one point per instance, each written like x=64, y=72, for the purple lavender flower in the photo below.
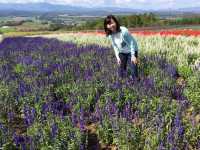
x=81, y=119
x=177, y=121
x=3, y=128
x=82, y=146
x=23, y=145
x=74, y=119
x=27, y=60
x=198, y=143
x=10, y=116
x=161, y=146
x=45, y=108
x=149, y=83
x=181, y=131
x=29, y=114
x=21, y=140
x=170, y=137
x=54, y=130
x=88, y=74
x=99, y=114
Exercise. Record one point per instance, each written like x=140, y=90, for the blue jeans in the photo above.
x=126, y=59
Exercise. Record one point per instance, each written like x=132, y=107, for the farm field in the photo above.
x=62, y=91
x=29, y=28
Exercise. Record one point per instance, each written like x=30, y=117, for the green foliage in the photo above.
x=55, y=26
x=129, y=21
x=185, y=20
x=192, y=58
x=9, y=146
x=185, y=71
x=19, y=68
x=192, y=90
x=7, y=30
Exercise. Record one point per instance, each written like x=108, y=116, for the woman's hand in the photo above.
x=134, y=59
x=118, y=61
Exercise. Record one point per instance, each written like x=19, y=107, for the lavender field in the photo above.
x=65, y=93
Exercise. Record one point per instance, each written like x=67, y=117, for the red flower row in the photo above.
x=175, y=32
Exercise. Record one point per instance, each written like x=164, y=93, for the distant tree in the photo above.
x=54, y=27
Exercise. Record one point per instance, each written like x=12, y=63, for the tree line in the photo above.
x=135, y=20
x=130, y=21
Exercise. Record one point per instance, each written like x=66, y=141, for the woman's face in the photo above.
x=112, y=26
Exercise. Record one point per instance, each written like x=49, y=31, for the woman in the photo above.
x=124, y=45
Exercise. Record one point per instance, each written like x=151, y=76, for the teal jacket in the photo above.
x=128, y=39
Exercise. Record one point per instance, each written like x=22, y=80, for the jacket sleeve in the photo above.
x=132, y=41
x=115, y=48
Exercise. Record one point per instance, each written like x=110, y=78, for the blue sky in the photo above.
x=136, y=4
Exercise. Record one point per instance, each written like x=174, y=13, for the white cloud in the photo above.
x=123, y=3
x=65, y=2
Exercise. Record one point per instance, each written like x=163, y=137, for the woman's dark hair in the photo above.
x=107, y=20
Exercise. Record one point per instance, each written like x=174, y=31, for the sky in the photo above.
x=135, y=4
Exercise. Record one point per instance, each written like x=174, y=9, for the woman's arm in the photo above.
x=131, y=40
x=115, y=48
